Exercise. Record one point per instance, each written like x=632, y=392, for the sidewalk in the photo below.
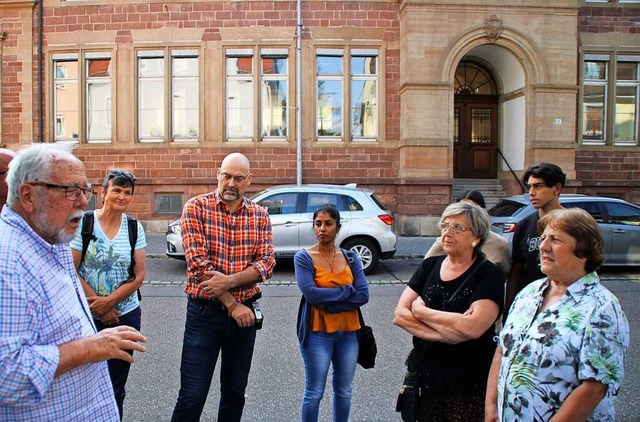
x=407, y=248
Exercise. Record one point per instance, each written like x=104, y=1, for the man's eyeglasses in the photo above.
x=457, y=228
x=70, y=192
x=227, y=177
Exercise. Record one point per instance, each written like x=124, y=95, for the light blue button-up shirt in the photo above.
x=42, y=305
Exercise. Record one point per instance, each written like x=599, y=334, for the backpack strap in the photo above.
x=132, y=226
x=87, y=232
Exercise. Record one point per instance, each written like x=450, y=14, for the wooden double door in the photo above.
x=475, y=136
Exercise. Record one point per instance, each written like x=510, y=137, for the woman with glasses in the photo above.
x=109, y=280
x=495, y=248
x=450, y=306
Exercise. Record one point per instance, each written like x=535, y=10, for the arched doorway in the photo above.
x=475, y=122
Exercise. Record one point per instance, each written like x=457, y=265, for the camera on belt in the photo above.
x=258, y=314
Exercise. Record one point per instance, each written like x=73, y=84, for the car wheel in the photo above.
x=366, y=251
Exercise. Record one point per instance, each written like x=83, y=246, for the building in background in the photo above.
x=410, y=98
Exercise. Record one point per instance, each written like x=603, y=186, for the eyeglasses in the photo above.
x=457, y=228
x=70, y=192
x=227, y=177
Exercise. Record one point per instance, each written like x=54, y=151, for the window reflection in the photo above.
x=274, y=95
x=185, y=98
x=329, y=95
x=364, y=97
x=151, y=96
x=66, y=100
x=594, y=100
x=98, y=99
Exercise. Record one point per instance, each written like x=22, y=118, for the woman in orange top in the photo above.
x=333, y=287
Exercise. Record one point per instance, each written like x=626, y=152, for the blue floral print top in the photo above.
x=582, y=336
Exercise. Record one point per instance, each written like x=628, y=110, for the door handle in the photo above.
x=619, y=231
x=290, y=223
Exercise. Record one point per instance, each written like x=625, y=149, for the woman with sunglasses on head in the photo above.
x=333, y=287
x=109, y=280
x=450, y=306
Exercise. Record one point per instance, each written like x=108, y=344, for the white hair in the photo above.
x=33, y=164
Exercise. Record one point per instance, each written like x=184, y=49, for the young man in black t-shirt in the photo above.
x=545, y=182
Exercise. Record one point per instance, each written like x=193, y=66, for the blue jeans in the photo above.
x=119, y=369
x=209, y=330
x=320, y=349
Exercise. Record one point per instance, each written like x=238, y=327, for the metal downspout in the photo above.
x=299, y=95
x=40, y=137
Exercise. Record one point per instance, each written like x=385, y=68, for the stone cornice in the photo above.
x=555, y=88
x=424, y=85
x=564, y=7
x=17, y=4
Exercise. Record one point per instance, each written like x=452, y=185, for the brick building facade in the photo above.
x=404, y=97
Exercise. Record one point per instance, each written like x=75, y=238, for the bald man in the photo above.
x=229, y=250
x=6, y=155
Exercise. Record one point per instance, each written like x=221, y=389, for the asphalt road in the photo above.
x=277, y=376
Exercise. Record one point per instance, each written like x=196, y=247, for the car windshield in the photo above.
x=505, y=209
x=250, y=196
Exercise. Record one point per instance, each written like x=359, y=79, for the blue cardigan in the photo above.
x=331, y=299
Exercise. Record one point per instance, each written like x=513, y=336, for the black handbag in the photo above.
x=407, y=403
x=368, y=348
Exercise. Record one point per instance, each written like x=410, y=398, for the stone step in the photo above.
x=491, y=189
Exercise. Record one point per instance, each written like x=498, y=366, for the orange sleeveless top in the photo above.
x=327, y=322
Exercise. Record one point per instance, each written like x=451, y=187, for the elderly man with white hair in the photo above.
x=51, y=358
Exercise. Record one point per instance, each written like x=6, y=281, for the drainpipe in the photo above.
x=40, y=73
x=298, y=95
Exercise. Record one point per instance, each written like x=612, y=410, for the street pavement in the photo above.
x=277, y=376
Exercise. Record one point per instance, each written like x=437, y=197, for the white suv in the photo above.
x=366, y=223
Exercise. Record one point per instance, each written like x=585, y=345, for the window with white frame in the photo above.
x=610, y=100
x=364, y=94
x=274, y=77
x=239, y=95
x=626, y=105
x=269, y=121
x=82, y=115
x=329, y=98
x=185, y=110
x=168, y=85
x=594, y=99
x=98, y=83
x=359, y=91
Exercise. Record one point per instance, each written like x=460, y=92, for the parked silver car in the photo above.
x=366, y=223
x=619, y=222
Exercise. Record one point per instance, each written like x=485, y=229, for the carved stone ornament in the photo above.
x=493, y=26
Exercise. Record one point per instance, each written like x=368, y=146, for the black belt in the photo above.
x=214, y=304
x=211, y=304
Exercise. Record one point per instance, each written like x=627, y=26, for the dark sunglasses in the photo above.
x=120, y=173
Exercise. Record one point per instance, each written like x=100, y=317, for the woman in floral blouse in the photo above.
x=562, y=348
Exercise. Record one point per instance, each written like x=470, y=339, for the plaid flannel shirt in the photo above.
x=214, y=239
